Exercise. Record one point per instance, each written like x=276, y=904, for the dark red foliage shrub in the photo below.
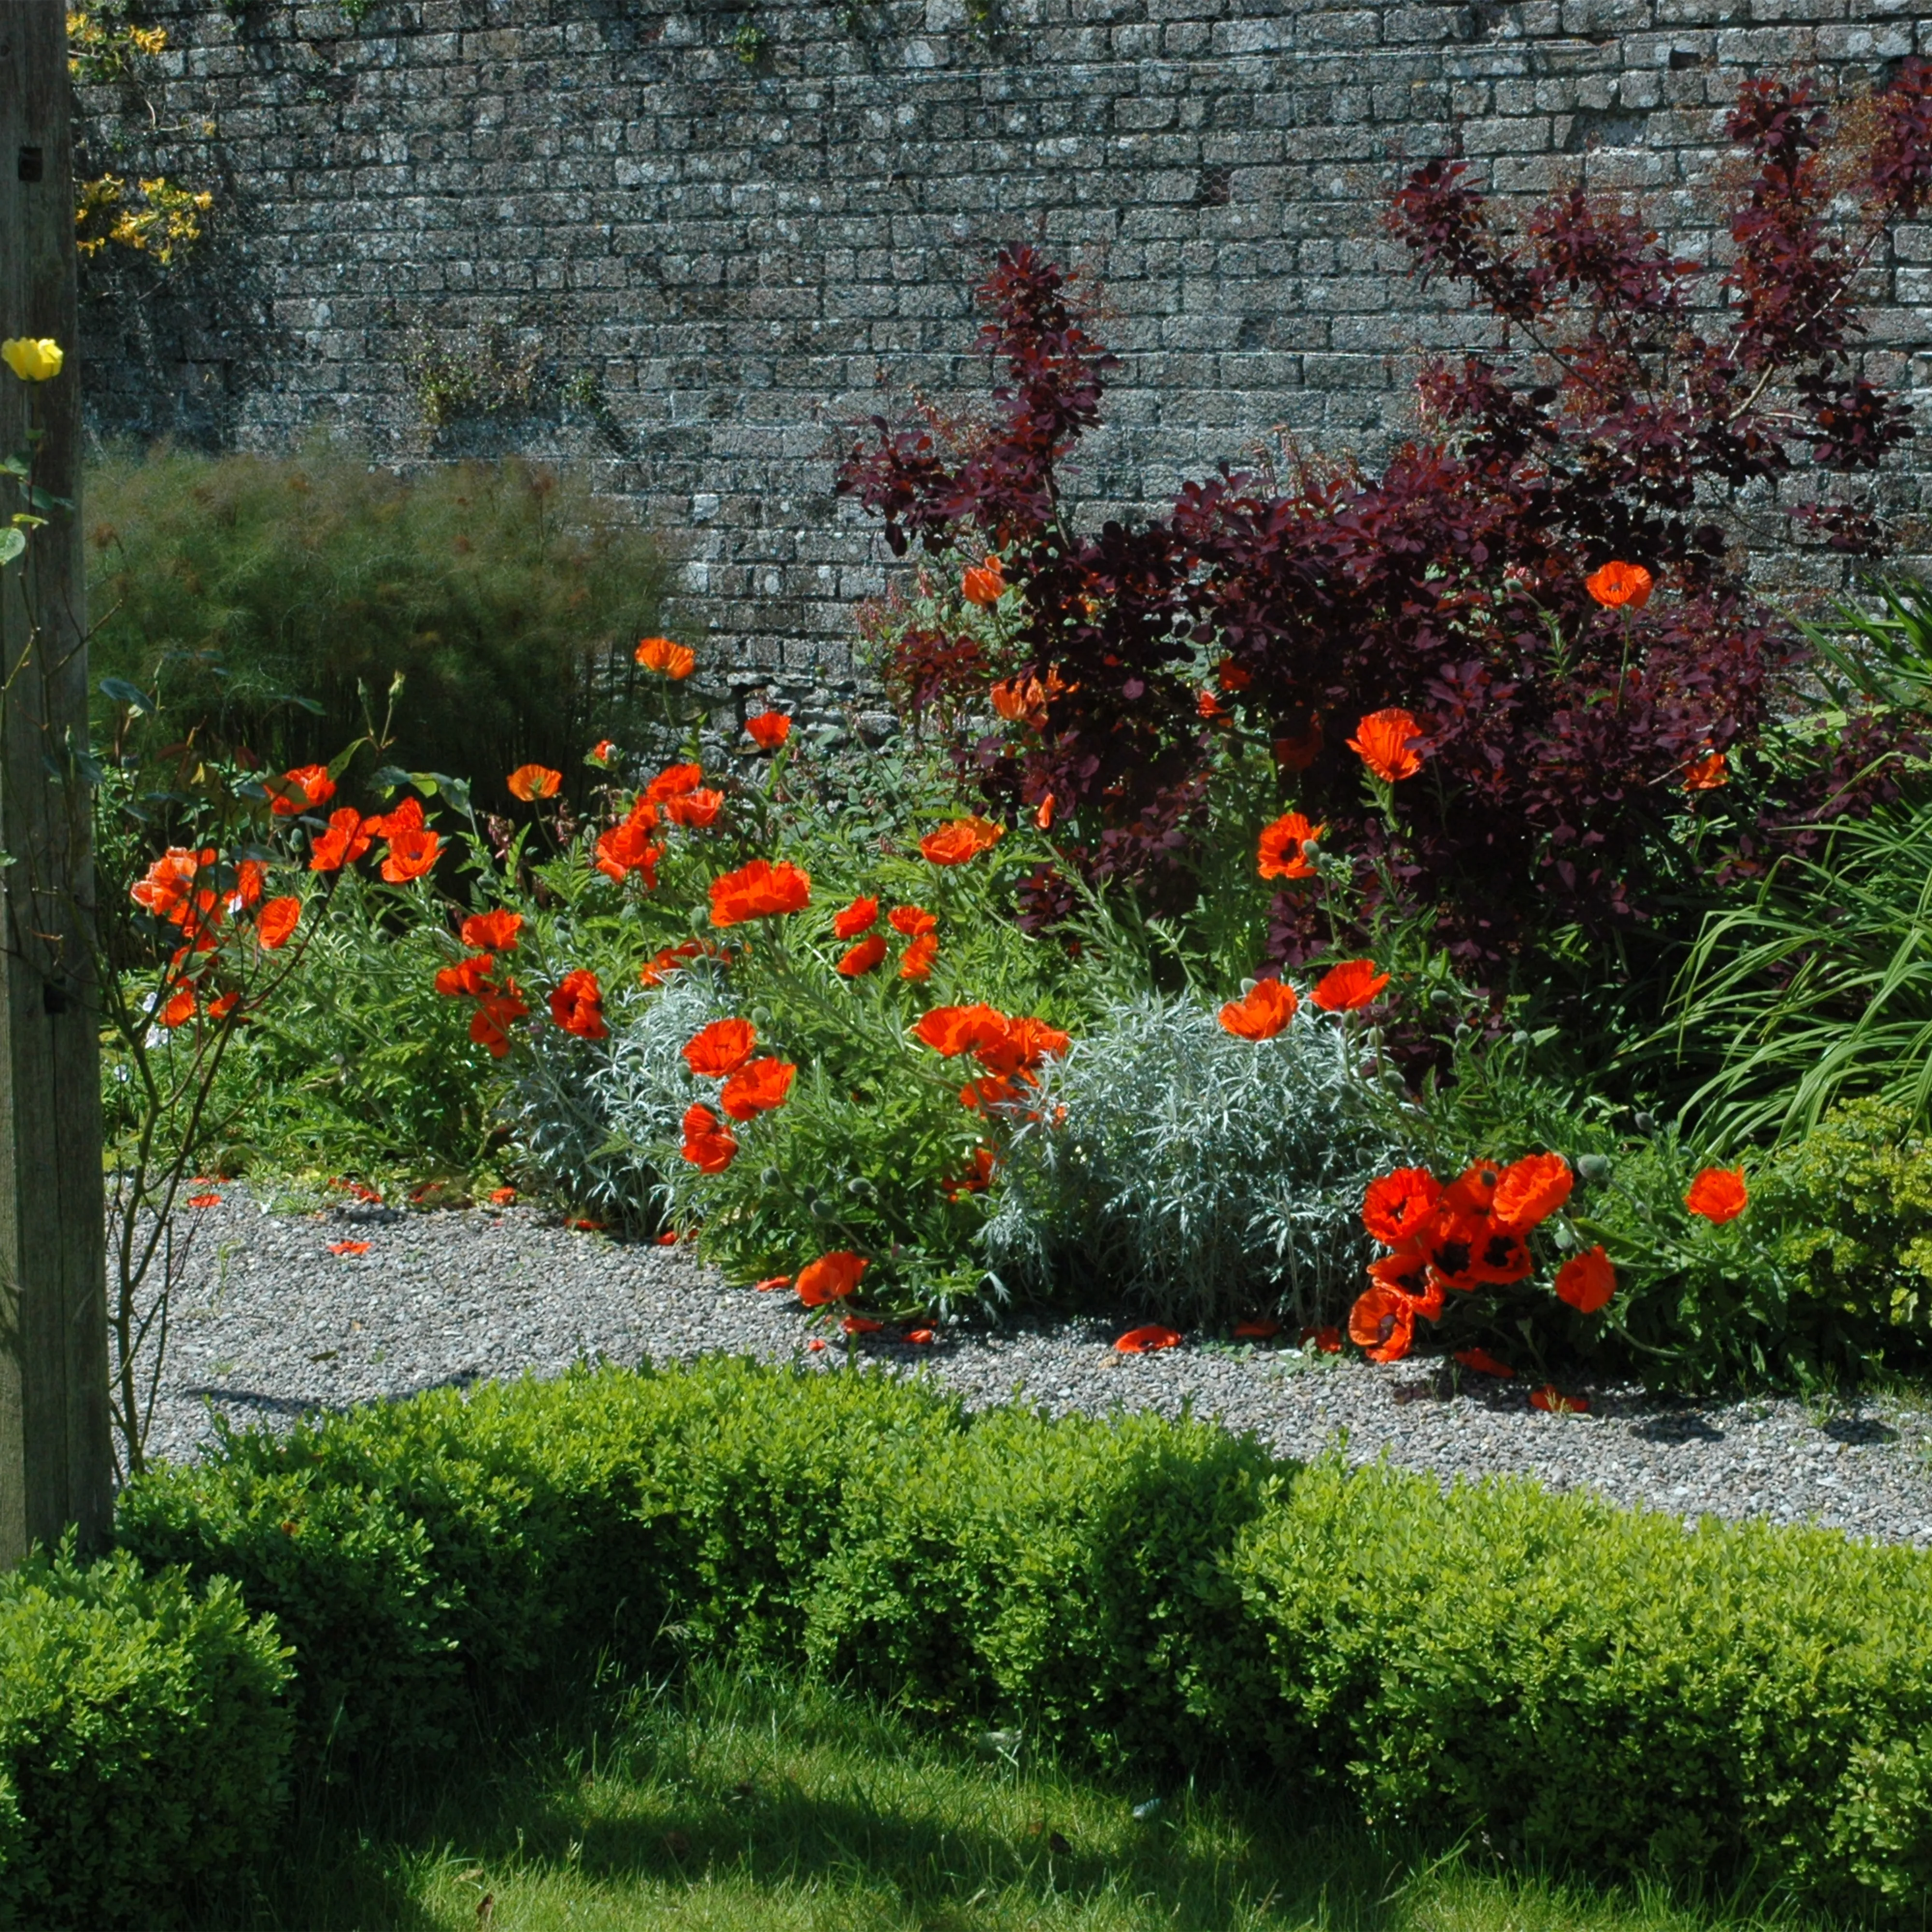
x=1619, y=410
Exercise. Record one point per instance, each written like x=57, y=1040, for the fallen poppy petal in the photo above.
x=772, y=1281
x=1484, y=1363
x=1146, y=1340
x=861, y=1324
x=1552, y=1401
x=919, y=1337
x=349, y=1247
x=1256, y=1331
x=204, y=1201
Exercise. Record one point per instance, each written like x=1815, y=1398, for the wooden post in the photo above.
x=55, y=1465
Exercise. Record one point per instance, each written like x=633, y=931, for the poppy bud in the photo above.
x=768, y=1177
x=700, y=919
x=1645, y=1123
x=1593, y=1167
x=821, y=1209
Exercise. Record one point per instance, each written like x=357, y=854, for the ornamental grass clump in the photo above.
x=1198, y=1172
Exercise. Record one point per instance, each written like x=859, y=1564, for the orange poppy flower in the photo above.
x=468, y=978
x=1148, y=1340
x=710, y=1145
x=1499, y=1258
x=859, y=960
x=1212, y=710
x=652, y=971
x=347, y=838
x=1396, y=1207
x=251, y=876
x=1484, y=1363
x=412, y=846
x=673, y=781
x=716, y=1051
x=531, y=782
x=1530, y=1190
x=626, y=848
x=949, y=1030
x=1382, y=742
x=493, y=931
x=1708, y=773
x=995, y=1090
x=760, y=890
x=1552, y=1401
x=1262, y=1012
x=961, y=840
x=694, y=809
x=1406, y=1271
x=1586, y=1281
x=301, y=789
x=180, y=1008
x=276, y=921
x=768, y=729
x=911, y=920
x=167, y=890
x=916, y=963
x=599, y=753
x=1473, y=1192
x=985, y=583
x=1617, y=584
x=1718, y=1194
x=830, y=1278
x=1283, y=855
x=666, y=658
x=1043, y=816
x=975, y=1182
x=757, y=1087
x=861, y=916
x=221, y=1008
x=1022, y=700
x=1026, y=1043
x=1262, y=1330
x=497, y=1010
x=1297, y=754
x=1349, y=986
x=577, y=1005
x=1382, y=1324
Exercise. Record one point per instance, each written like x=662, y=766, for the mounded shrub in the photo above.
x=143, y=1740
x=1609, y=1691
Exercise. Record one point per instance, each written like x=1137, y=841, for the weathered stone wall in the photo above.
x=642, y=249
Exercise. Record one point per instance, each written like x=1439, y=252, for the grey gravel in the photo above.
x=268, y=1324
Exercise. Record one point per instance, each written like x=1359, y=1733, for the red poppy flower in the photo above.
x=859, y=1324
x=1406, y=1271
x=492, y=931
x=347, y=838
x=1231, y=677
x=1396, y=1206
x=1617, y=584
x=861, y=916
x=531, y=782
x=916, y=963
x=497, y=1010
x=167, y=890
x=1707, y=774
x=1474, y=1191
x=1382, y=742
x=1283, y=855
x=960, y=840
x=1552, y=1401
x=1530, y=1190
x=913, y=921
x=1484, y=1363
x=1382, y=1324
x=502, y=1197
x=694, y=810
x=179, y=1010
x=1352, y=985
x=710, y=1145
x=301, y=789
x=816, y=1345
x=1328, y=1340
x=251, y=876
x=760, y=890
x=716, y=1052
x=949, y=1030
x=1718, y=1194
x=768, y=729
x=673, y=781
x=276, y=922
x=1212, y=710
x=1256, y=1331
x=757, y=1087
x=830, y=1278
x=577, y=1005
x=652, y=971
x=666, y=658
x=993, y=1091
x=1454, y=1242
x=1297, y=754
x=1148, y=1340
x=1023, y=1044
x=412, y=846
x=984, y=583
x=1262, y=1012
x=1043, y=816
x=469, y=979
x=599, y=753
x=349, y=1247
x=1586, y=1281
x=860, y=959
x=626, y=848
x=975, y=1182
x=1499, y=1258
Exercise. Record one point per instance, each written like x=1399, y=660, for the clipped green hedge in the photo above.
x=1604, y=1689
x=143, y=1741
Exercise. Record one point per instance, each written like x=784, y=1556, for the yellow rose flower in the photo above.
x=32, y=360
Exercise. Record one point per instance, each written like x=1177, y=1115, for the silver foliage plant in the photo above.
x=1203, y=1176
x=598, y=1120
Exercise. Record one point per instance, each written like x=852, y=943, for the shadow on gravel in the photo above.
x=1678, y=1429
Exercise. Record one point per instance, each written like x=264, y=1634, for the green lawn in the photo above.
x=735, y=1808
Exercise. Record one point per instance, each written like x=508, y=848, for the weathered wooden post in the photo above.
x=56, y=1467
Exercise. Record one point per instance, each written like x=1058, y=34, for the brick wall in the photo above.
x=691, y=270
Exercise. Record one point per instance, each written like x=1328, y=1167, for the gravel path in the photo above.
x=270, y=1323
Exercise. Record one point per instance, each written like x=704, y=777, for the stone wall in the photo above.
x=690, y=246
